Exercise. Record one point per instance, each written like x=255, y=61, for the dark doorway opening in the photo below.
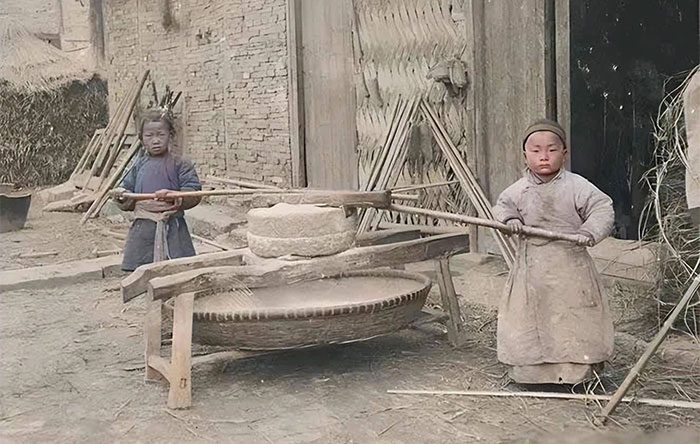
x=622, y=53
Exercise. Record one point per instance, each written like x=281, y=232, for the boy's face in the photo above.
x=156, y=137
x=545, y=153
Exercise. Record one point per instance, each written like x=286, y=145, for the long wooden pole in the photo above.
x=619, y=394
x=527, y=231
x=374, y=199
x=551, y=395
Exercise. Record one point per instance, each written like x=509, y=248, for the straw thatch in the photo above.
x=31, y=64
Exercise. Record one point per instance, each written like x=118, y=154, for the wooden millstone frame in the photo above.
x=185, y=279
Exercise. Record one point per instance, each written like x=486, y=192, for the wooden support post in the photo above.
x=455, y=330
x=180, y=394
x=152, y=337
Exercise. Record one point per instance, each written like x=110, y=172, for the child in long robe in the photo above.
x=159, y=231
x=554, y=324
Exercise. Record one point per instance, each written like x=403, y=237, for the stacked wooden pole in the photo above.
x=112, y=140
x=103, y=193
x=467, y=179
x=111, y=146
x=88, y=152
x=392, y=156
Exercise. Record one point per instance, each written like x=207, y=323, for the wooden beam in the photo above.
x=426, y=229
x=275, y=273
x=374, y=199
x=296, y=93
x=135, y=284
x=383, y=237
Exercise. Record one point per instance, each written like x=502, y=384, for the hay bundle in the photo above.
x=49, y=108
x=666, y=218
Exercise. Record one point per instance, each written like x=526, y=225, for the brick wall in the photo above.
x=229, y=58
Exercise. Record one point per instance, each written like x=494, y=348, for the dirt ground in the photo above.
x=70, y=373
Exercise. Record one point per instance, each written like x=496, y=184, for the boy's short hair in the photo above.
x=157, y=115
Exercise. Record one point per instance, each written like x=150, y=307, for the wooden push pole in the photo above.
x=649, y=352
x=527, y=231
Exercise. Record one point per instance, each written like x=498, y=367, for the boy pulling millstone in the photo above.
x=554, y=324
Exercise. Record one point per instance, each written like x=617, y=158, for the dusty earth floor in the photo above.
x=70, y=373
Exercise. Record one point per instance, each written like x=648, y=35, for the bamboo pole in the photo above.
x=619, y=394
x=551, y=395
x=527, y=231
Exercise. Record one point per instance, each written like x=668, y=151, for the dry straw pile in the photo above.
x=666, y=218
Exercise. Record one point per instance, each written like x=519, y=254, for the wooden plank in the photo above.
x=455, y=328
x=374, y=199
x=180, y=376
x=296, y=93
x=135, y=284
x=275, y=273
x=550, y=60
x=383, y=237
x=519, y=63
x=329, y=94
x=152, y=340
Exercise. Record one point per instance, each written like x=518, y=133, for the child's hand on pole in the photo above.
x=163, y=195
x=515, y=226
x=584, y=240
